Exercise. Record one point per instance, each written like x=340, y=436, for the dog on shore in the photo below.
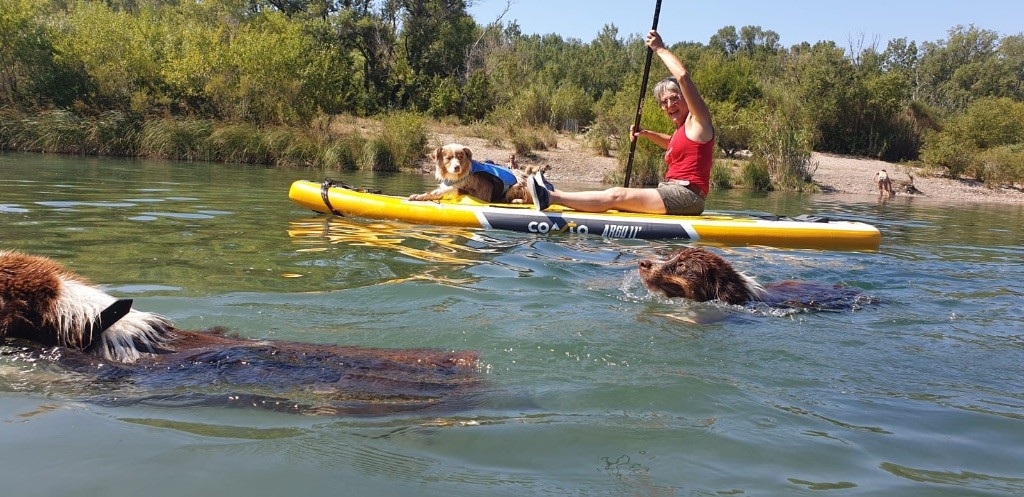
x=47, y=311
x=698, y=274
x=457, y=172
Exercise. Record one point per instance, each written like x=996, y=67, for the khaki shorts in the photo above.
x=680, y=200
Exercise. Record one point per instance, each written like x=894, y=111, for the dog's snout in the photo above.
x=645, y=264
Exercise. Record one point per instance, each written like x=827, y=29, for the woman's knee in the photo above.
x=616, y=193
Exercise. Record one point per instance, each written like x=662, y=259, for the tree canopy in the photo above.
x=288, y=61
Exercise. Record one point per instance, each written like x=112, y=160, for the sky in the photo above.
x=857, y=23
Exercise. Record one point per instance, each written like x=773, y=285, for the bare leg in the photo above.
x=645, y=200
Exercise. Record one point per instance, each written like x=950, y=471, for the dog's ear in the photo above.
x=468, y=152
x=436, y=154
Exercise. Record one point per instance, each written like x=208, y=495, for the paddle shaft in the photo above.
x=640, y=101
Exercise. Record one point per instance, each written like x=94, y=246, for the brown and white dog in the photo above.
x=455, y=169
x=57, y=313
x=698, y=274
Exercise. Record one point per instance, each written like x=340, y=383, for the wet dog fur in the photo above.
x=54, y=313
x=452, y=167
x=698, y=274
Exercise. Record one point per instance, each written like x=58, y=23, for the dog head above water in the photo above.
x=700, y=275
x=452, y=161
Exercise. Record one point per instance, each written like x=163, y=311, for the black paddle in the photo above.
x=640, y=102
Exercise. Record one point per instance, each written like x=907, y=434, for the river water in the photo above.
x=591, y=386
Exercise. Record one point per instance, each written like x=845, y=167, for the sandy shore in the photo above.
x=572, y=163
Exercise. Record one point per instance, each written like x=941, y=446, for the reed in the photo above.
x=176, y=139
x=343, y=153
x=239, y=143
x=114, y=133
x=376, y=156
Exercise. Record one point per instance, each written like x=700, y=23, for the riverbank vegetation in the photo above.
x=279, y=82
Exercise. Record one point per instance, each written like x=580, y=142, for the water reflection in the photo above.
x=446, y=245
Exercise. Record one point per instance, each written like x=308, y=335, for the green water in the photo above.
x=593, y=386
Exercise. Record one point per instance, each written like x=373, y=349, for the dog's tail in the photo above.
x=77, y=310
x=43, y=302
x=757, y=292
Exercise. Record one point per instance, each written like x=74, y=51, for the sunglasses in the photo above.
x=670, y=101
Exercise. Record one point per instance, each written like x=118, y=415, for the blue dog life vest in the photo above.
x=500, y=176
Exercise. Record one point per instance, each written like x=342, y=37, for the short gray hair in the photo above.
x=669, y=83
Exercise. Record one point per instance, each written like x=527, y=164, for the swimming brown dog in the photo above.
x=699, y=274
x=60, y=315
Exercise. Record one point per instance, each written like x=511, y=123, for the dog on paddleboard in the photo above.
x=458, y=173
x=47, y=311
x=698, y=274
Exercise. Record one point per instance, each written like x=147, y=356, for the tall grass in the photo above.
x=377, y=156
x=176, y=139
x=782, y=147
x=239, y=143
x=721, y=175
x=404, y=135
x=63, y=132
x=401, y=143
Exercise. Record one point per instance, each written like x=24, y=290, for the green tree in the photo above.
x=121, y=52
x=435, y=38
x=966, y=66
x=33, y=72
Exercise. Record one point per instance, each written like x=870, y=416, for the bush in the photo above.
x=948, y=151
x=302, y=150
x=1001, y=166
x=404, y=134
x=756, y=177
x=721, y=175
x=734, y=127
x=570, y=102
x=601, y=144
x=445, y=98
x=992, y=122
x=533, y=106
x=340, y=155
x=782, y=146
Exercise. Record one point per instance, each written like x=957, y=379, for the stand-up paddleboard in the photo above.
x=805, y=232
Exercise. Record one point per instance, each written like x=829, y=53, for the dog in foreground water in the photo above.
x=46, y=311
x=701, y=275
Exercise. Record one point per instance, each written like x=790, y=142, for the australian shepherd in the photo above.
x=698, y=274
x=47, y=309
x=459, y=174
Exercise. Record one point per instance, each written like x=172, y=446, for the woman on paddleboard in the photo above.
x=688, y=152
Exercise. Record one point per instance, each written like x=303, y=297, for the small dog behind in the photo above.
x=700, y=275
x=57, y=315
x=458, y=173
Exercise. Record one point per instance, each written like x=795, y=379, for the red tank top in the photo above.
x=690, y=160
